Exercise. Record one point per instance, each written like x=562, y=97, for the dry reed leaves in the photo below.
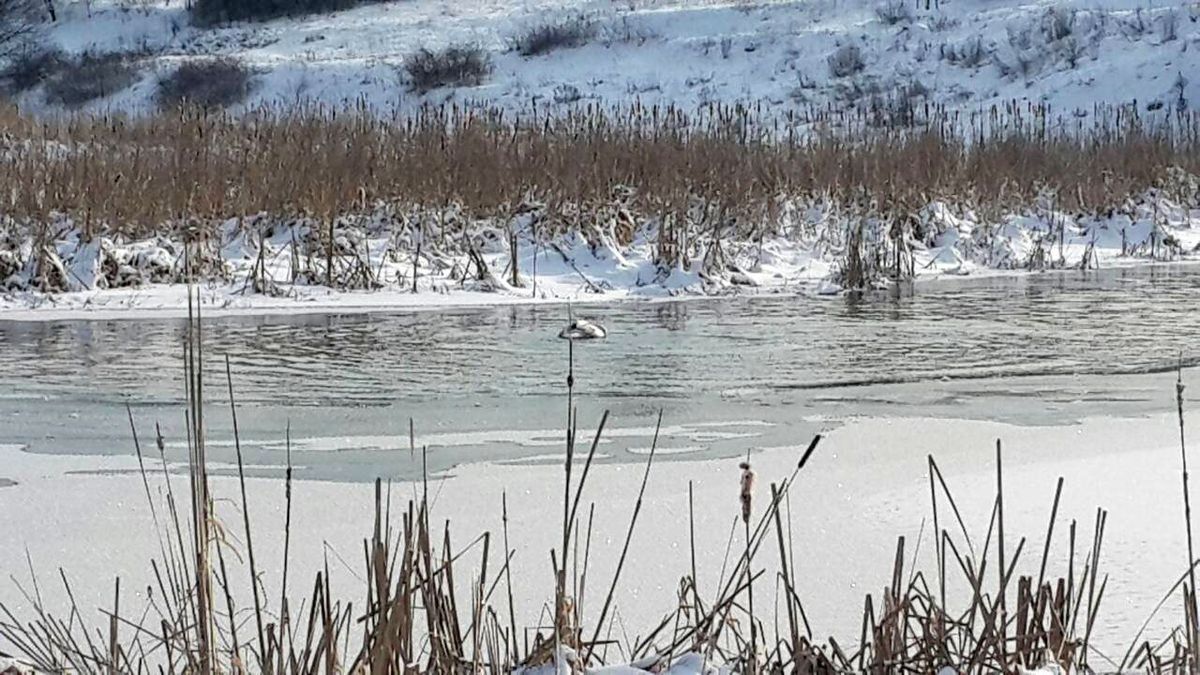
x=321, y=164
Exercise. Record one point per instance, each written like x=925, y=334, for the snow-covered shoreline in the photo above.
x=170, y=301
x=261, y=266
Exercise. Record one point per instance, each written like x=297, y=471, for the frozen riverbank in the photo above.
x=385, y=262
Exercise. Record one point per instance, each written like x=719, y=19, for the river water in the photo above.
x=729, y=374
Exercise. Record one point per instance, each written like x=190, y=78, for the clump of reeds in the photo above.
x=308, y=162
x=691, y=181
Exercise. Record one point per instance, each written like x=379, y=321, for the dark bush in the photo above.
x=545, y=38
x=845, y=61
x=211, y=83
x=893, y=12
x=454, y=66
x=19, y=26
x=89, y=77
x=220, y=11
x=969, y=54
x=30, y=68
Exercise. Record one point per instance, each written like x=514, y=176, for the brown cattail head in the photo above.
x=747, y=491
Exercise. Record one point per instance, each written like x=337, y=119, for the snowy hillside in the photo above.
x=800, y=55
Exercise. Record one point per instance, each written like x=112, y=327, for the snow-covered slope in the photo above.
x=968, y=54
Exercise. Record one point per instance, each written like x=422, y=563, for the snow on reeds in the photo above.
x=467, y=196
x=421, y=612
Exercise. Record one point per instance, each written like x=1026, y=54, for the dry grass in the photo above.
x=652, y=161
x=544, y=38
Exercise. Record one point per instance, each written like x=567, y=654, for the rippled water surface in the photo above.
x=728, y=373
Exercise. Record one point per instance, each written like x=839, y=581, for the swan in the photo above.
x=583, y=329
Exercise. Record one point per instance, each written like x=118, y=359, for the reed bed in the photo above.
x=654, y=161
x=419, y=613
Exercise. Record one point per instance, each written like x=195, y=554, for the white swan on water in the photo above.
x=583, y=329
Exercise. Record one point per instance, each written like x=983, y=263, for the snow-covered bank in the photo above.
x=387, y=261
x=789, y=54
x=866, y=485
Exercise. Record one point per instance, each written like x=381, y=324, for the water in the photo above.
x=489, y=384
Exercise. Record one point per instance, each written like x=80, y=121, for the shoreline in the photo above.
x=169, y=301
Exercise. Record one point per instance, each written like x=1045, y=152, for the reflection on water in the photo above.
x=350, y=383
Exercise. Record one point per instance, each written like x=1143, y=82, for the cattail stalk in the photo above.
x=746, y=497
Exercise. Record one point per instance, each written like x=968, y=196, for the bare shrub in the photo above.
x=850, y=91
x=942, y=23
x=628, y=30
x=567, y=93
x=1058, y=23
x=900, y=107
x=19, y=26
x=1168, y=25
x=90, y=77
x=845, y=61
x=453, y=66
x=1178, y=88
x=893, y=12
x=214, y=83
x=221, y=11
x=562, y=34
x=969, y=53
x=1135, y=25
x=30, y=68
x=1071, y=51
x=1020, y=37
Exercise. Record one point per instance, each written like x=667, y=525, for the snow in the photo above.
x=865, y=485
x=687, y=664
x=111, y=276
x=1068, y=53
x=11, y=666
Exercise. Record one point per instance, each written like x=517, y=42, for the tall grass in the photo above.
x=651, y=160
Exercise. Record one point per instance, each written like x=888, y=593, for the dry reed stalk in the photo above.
x=311, y=164
x=746, y=497
x=1193, y=626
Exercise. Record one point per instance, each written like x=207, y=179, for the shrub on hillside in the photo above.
x=211, y=83
x=89, y=77
x=547, y=37
x=893, y=12
x=30, y=68
x=220, y=11
x=453, y=66
x=845, y=61
x=19, y=26
x=969, y=54
x=1168, y=25
x=1058, y=23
